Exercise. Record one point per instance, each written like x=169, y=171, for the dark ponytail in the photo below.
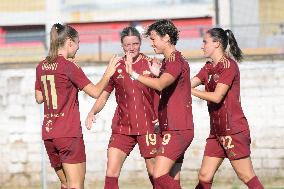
x=58, y=35
x=226, y=37
x=234, y=48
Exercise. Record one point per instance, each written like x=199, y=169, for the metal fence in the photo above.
x=261, y=39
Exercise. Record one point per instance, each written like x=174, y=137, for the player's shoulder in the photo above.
x=67, y=62
x=146, y=58
x=227, y=63
x=39, y=65
x=176, y=57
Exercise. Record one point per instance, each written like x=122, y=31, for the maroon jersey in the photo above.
x=175, y=111
x=135, y=111
x=60, y=83
x=226, y=117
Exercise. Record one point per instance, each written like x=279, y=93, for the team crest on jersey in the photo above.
x=120, y=76
x=232, y=154
x=216, y=78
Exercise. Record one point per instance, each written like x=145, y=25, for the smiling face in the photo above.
x=132, y=45
x=158, y=43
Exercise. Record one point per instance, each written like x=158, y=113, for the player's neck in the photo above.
x=216, y=58
x=136, y=58
x=168, y=51
x=62, y=53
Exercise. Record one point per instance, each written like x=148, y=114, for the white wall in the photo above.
x=262, y=91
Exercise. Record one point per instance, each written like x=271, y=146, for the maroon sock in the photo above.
x=166, y=182
x=203, y=185
x=254, y=183
x=111, y=183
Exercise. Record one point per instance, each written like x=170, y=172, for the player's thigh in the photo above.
x=163, y=165
x=75, y=174
x=209, y=167
x=150, y=163
x=61, y=175
x=243, y=168
x=115, y=160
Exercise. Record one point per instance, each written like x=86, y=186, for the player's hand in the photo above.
x=128, y=63
x=155, y=66
x=156, y=126
x=91, y=118
x=112, y=65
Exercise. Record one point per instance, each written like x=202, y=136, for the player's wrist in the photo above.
x=107, y=75
x=134, y=75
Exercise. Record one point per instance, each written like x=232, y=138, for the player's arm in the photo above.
x=195, y=81
x=38, y=96
x=96, y=90
x=216, y=96
x=159, y=84
x=97, y=107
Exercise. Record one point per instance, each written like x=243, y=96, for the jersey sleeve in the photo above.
x=110, y=86
x=77, y=76
x=227, y=75
x=37, y=82
x=202, y=75
x=174, y=68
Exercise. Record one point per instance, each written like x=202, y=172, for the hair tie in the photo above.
x=57, y=26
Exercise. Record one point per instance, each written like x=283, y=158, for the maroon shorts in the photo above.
x=173, y=144
x=65, y=150
x=233, y=147
x=126, y=143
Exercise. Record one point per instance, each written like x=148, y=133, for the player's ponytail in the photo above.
x=58, y=35
x=53, y=48
x=234, y=48
x=226, y=37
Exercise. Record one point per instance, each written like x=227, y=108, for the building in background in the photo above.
x=24, y=24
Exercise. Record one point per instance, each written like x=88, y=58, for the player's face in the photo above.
x=209, y=46
x=131, y=44
x=73, y=47
x=158, y=42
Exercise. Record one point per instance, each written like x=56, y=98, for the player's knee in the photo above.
x=76, y=185
x=150, y=167
x=112, y=172
x=204, y=176
x=245, y=177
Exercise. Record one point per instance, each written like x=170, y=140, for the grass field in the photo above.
x=143, y=184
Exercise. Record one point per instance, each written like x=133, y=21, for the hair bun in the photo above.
x=58, y=26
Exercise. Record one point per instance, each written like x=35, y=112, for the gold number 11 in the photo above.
x=44, y=80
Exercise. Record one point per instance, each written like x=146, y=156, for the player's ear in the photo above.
x=69, y=42
x=166, y=38
x=217, y=44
